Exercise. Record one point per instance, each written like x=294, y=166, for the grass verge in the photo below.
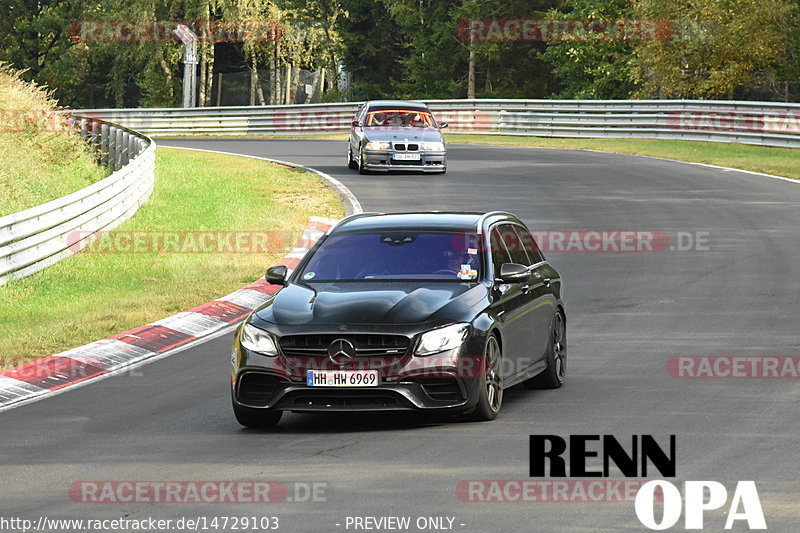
x=39, y=160
x=778, y=161
x=89, y=296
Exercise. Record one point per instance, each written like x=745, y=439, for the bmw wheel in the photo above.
x=352, y=165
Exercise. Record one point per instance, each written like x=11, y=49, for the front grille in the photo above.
x=402, y=147
x=366, y=345
x=442, y=389
x=256, y=388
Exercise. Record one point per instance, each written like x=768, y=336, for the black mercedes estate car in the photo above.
x=407, y=311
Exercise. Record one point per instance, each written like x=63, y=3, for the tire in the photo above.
x=491, y=389
x=556, y=372
x=360, y=163
x=256, y=418
x=352, y=165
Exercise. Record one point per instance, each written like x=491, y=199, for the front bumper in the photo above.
x=443, y=382
x=383, y=160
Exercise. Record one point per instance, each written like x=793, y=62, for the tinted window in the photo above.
x=514, y=245
x=529, y=243
x=395, y=255
x=499, y=253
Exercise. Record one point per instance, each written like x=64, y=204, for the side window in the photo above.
x=529, y=243
x=499, y=253
x=514, y=245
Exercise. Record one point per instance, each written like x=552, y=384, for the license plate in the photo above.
x=406, y=157
x=343, y=378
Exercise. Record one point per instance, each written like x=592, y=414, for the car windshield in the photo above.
x=391, y=255
x=399, y=118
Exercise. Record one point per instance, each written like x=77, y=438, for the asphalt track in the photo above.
x=628, y=313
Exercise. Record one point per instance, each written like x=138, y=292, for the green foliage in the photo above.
x=373, y=47
x=411, y=49
x=592, y=69
x=721, y=47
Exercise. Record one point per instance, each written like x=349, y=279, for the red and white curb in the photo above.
x=54, y=374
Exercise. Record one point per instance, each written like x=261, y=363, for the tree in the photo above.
x=721, y=48
x=507, y=68
x=593, y=68
x=373, y=49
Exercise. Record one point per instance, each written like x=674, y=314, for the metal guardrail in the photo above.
x=33, y=239
x=762, y=123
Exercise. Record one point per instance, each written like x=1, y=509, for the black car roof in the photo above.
x=435, y=221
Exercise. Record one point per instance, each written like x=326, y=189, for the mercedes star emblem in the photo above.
x=341, y=351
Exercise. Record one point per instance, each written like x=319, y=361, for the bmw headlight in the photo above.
x=433, y=147
x=258, y=340
x=439, y=340
x=379, y=145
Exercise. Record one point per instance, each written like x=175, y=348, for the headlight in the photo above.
x=379, y=145
x=439, y=340
x=433, y=147
x=258, y=340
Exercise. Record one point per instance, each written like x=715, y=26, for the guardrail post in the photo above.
x=96, y=137
x=133, y=146
x=113, y=149
x=118, y=149
x=84, y=129
x=124, y=152
x=105, y=135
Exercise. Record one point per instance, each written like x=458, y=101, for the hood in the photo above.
x=372, y=303
x=395, y=134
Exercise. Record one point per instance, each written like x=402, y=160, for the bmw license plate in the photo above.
x=406, y=157
x=343, y=378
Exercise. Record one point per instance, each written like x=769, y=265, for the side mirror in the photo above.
x=277, y=275
x=443, y=125
x=514, y=273
x=354, y=123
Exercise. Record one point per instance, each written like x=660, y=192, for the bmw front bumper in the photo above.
x=385, y=160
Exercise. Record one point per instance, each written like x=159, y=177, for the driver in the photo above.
x=464, y=265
